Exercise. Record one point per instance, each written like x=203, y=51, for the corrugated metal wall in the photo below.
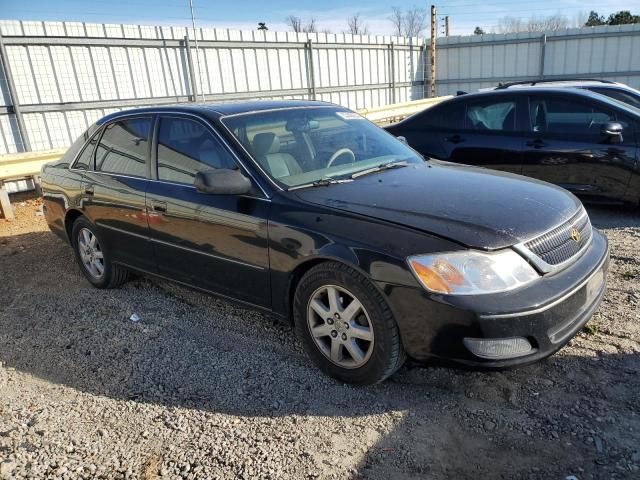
x=470, y=63
x=66, y=74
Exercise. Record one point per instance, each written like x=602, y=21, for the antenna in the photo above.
x=195, y=36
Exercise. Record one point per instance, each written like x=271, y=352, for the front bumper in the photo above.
x=547, y=313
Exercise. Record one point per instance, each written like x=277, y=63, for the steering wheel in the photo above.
x=339, y=153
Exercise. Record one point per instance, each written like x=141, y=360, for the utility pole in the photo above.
x=432, y=55
x=446, y=26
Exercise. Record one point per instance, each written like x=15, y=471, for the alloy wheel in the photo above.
x=90, y=253
x=340, y=326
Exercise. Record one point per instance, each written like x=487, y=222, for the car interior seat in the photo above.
x=266, y=148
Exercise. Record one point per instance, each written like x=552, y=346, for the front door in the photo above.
x=565, y=146
x=215, y=242
x=113, y=191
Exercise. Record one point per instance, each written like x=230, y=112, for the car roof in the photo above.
x=568, y=84
x=578, y=92
x=217, y=110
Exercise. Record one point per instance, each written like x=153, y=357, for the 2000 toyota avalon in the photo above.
x=311, y=212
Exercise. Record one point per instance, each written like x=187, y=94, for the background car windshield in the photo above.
x=299, y=146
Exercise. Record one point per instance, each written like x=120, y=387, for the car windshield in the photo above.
x=300, y=146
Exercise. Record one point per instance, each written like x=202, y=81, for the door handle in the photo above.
x=537, y=143
x=159, y=206
x=88, y=190
x=455, y=139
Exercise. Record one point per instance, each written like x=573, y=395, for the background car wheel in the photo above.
x=94, y=261
x=346, y=326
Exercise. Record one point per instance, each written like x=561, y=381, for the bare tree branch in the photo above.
x=414, y=22
x=397, y=20
x=356, y=25
x=311, y=26
x=410, y=23
x=295, y=23
x=534, y=24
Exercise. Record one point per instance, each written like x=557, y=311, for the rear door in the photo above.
x=215, y=242
x=565, y=146
x=114, y=187
x=490, y=135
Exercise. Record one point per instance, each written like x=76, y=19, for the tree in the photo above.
x=408, y=24
x=262, y=26
x=543, y=24
x=295, y=23
x=414, y=22
x=356, y=25
x=534, y=24
x=594, y=20
x=310, y=26
x=478, y=31
x=397, y=20
x=623, y=17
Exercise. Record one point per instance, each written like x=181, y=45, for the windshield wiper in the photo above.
x=379, y=168
x=323, y=182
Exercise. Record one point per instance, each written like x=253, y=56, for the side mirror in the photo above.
x=403, y=140
x=613, y=131
x=222, y=181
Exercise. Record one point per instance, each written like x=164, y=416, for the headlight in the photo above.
x=472, y=272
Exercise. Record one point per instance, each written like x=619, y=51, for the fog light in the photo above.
x=498, y=348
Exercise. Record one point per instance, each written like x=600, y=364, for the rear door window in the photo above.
x=498, y=115
x=86, y=157
x=123, y=148
x=186, y=147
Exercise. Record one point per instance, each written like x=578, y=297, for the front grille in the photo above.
x=561, y=243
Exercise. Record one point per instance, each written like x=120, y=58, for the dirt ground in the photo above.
x=198, y=388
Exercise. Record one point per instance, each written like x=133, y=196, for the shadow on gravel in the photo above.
x=193, y=351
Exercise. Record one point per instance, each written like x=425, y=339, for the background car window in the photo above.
x=85, y=159
x=567, y=117
x=123, y=148
x=618, y=95
x=493, y=115
x=452, y=117
x=186, y=147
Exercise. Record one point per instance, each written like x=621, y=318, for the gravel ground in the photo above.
x=199, y=388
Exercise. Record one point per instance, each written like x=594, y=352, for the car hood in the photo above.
x=475, y=207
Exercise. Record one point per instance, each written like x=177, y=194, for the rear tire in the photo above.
x=94, y=261
x=346, y=326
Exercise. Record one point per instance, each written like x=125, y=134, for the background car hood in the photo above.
x=473, y=206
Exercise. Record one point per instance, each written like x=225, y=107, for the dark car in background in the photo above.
x=617, y=91
x=580, y=140
x=310, y=212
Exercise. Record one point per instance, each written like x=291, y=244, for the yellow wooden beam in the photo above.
x=21, y=165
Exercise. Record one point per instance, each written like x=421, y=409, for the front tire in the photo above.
x=93, y=259
x=346, y=326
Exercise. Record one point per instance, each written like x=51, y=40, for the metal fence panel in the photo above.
x=470, y=63
x=68, y=74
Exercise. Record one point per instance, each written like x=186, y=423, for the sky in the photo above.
x=332, y=15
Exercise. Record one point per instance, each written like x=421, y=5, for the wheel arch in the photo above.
x=335, y=254
x=69, y=219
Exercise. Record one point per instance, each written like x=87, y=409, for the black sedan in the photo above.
x=310, y=212
x=580, y=140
